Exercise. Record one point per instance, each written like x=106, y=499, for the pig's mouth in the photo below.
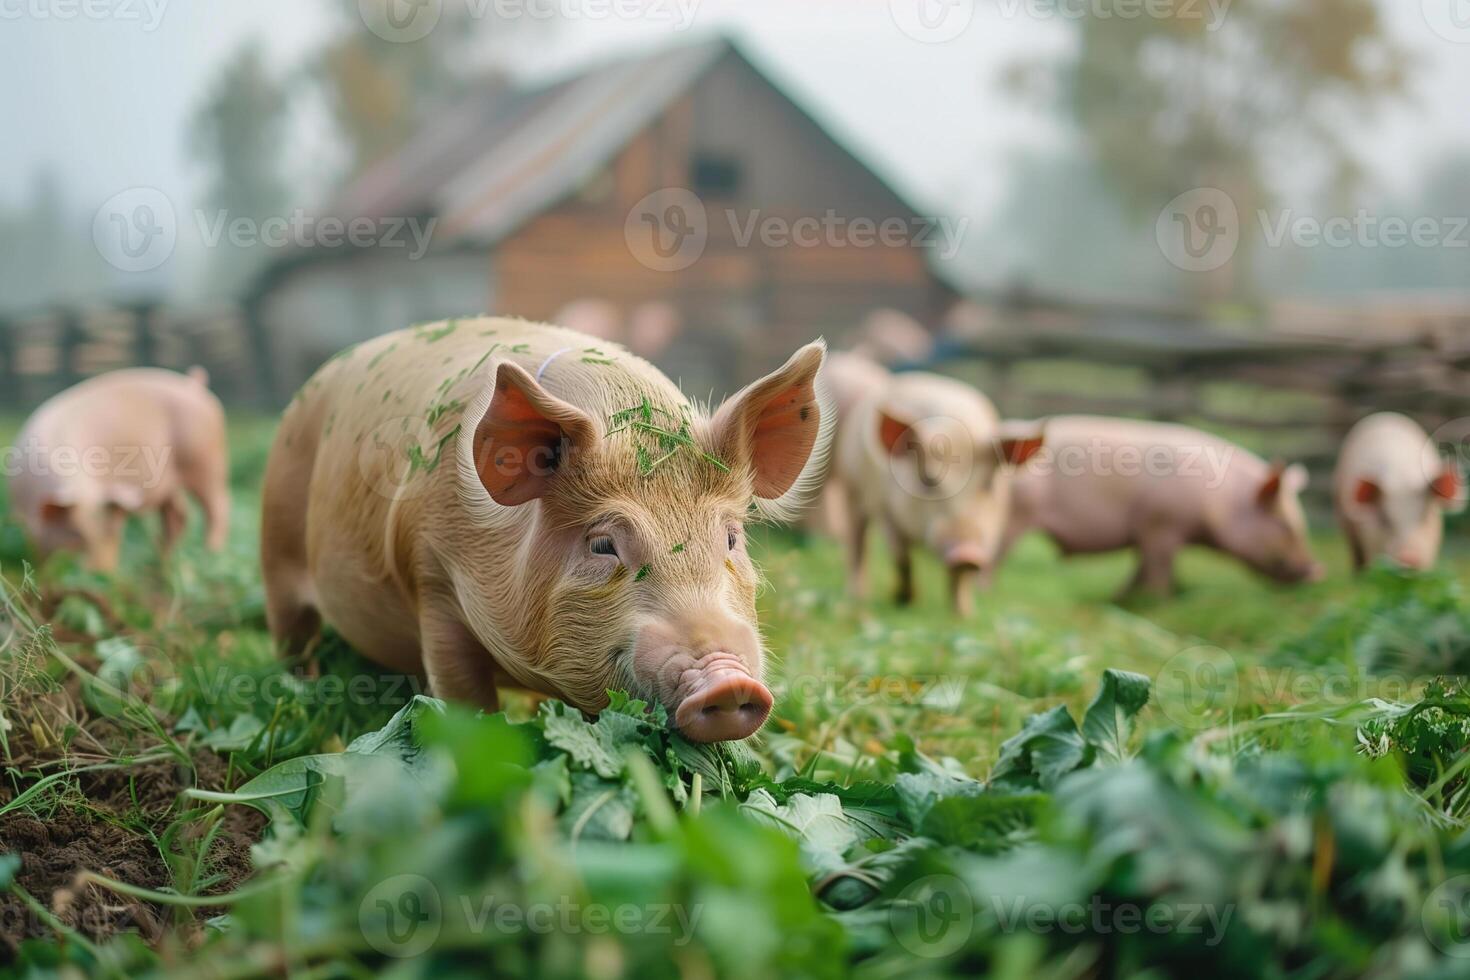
x=717, y=699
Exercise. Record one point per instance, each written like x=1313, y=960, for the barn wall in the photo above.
x=325, y=306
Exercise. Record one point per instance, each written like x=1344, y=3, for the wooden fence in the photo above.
x=1282, y=393
x=43, y=353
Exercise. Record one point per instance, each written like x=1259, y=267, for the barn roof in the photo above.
x=503, y=154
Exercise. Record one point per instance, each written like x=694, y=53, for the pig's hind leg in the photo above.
x=290, y=608
x=1155, y=574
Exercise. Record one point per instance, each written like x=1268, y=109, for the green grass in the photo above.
x=168, y=660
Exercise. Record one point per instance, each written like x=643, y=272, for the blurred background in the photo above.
x=1246, y=214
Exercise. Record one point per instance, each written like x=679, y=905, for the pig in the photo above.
x=849, y=377
x=494, y=502
x=119, y=444
x=1105, y=484
x=1391, y=489
x=924, y=456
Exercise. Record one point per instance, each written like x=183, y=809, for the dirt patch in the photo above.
x=104, y=826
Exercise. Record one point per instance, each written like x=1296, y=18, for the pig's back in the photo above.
x=134, y=408
x=1100, y=480
x=1390, y=449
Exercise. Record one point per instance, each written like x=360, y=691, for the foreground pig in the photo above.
x=925, y=458
x=118, y=444
x=492, y=501
x=1391, y=489
x=1103, y=484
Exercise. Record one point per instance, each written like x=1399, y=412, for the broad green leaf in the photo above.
x=1120, y=696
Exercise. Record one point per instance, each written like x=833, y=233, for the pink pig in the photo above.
x=1391, y=489
x=119, y=444
x=1105, y=484
x=492, y=502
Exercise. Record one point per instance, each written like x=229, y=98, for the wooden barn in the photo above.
x=540, y=199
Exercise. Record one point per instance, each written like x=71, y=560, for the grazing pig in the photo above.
x=495, y=502
x=119, y=444
x=925, y=457
x=1391, y=489
x=1104, y=484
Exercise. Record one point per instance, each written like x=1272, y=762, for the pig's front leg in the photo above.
x=175, y=514
x=903, y=563
x=857, y=549
x=962, y=583
x=459, y=668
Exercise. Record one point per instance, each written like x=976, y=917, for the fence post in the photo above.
x=145, y=351
x=69, y=339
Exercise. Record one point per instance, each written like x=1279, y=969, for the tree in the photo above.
x=378, y=84
x=1205, y=99
x=239, y=132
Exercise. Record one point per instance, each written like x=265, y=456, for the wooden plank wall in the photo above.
x=43, y=353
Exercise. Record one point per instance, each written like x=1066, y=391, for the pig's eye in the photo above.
x=603, y=545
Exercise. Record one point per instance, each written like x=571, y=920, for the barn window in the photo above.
x=716, y=176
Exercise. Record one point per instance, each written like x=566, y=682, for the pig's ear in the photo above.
x=1449, y=489
x=55, y=512
x=525, y=436
x=1282, y=481
x=891, y=432
x=1015, y=445
x=780, y=426
x=1366, y=493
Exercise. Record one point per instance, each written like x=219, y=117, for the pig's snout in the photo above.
x=965, y=556
x=724, y=704
x=705, y=668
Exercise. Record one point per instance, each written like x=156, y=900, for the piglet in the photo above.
x=925, y=458
x=493, y=502
x=1105, y=484
x=120, y=444
x=1391, y=489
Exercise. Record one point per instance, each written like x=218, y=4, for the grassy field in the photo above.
x=175, y=801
